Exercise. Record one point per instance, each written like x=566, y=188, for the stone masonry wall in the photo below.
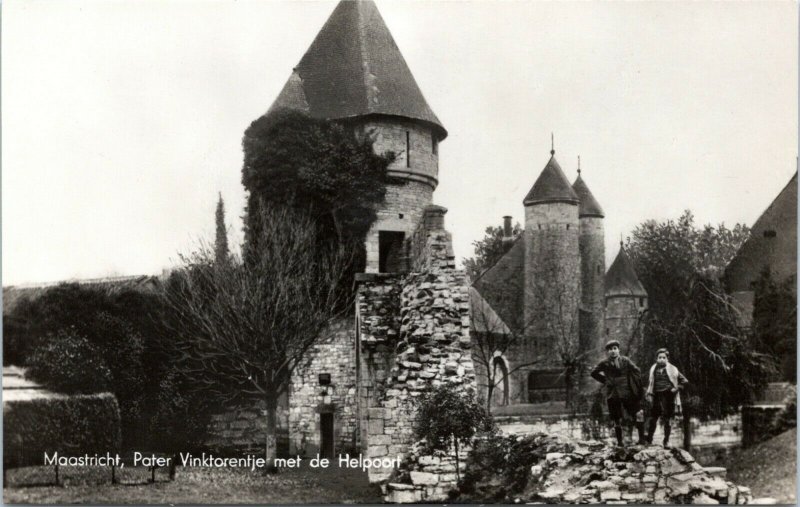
x=552, y=279
x=244, y=429
x=426, y=477
x=334, y=354
x=378, y=321
x=433, y=345
x=710, y=439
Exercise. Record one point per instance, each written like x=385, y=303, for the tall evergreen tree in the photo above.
x=221, y=252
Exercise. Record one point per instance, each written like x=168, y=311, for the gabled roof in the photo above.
x=502, y=287
x=551, y=186
x=589, y=207
x=354, y=68
x=772, y=243
x=621, y=279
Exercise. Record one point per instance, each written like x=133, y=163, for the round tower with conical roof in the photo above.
x=625, y=300
x=552, y=268
x=593, y=268
x=354, y=72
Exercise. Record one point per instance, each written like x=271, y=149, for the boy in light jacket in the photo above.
x=663, y=393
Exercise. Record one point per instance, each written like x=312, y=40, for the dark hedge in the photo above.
x=71, y=425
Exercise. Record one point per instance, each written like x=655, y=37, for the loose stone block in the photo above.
x=611, y=494
x=424, y=478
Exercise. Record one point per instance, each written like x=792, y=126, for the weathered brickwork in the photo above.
x=333, y=355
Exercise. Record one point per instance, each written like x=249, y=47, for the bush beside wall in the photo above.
x=70, y=425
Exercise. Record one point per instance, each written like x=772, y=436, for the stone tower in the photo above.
x=354, y=72
x=552, y=265
x=593, y=268
x=625, y=299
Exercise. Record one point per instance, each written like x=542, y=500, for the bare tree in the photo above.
x=243, y=327
x=493, y=340
x=557, y=316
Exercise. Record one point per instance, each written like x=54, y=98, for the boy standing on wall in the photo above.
x=663, y=393
x=622, y=382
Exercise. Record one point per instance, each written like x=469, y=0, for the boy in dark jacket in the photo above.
x=622, y=381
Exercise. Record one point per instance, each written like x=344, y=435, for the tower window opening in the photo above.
x=641, y=302
x=408, y=149
x=567, y=226
x=599, y=271
x=390, y=250
x=608, y=331
x=434, y=144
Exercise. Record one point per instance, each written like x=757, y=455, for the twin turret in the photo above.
x=564, y=264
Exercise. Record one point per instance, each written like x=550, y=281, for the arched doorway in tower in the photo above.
x=500, y=376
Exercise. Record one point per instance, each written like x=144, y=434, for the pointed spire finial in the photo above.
x=579, y=165
x=552, y=144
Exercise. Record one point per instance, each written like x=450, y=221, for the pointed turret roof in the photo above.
x=621, y=279
x=589, y=207
x=551, y=186
x=354, y=68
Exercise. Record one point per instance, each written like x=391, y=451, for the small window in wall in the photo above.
x=599, y=269
x=607, y=331
x=641, y=302
x=567, y=226
x=770, y=234
x=390, y=249
x=434, y=144
x=408, y=148
x=324, y=379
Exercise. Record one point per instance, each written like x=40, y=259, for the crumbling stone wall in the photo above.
x=591, y=472
x=411, y=343
x=334, y=354
x=378, y=328
x=425, y=477
x=710, y=439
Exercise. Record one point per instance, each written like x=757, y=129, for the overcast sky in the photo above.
x=122, y=120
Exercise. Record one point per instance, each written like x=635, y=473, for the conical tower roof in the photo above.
x=621, y=279
x=354, y=68
x=551, y=186
x=589, y=207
